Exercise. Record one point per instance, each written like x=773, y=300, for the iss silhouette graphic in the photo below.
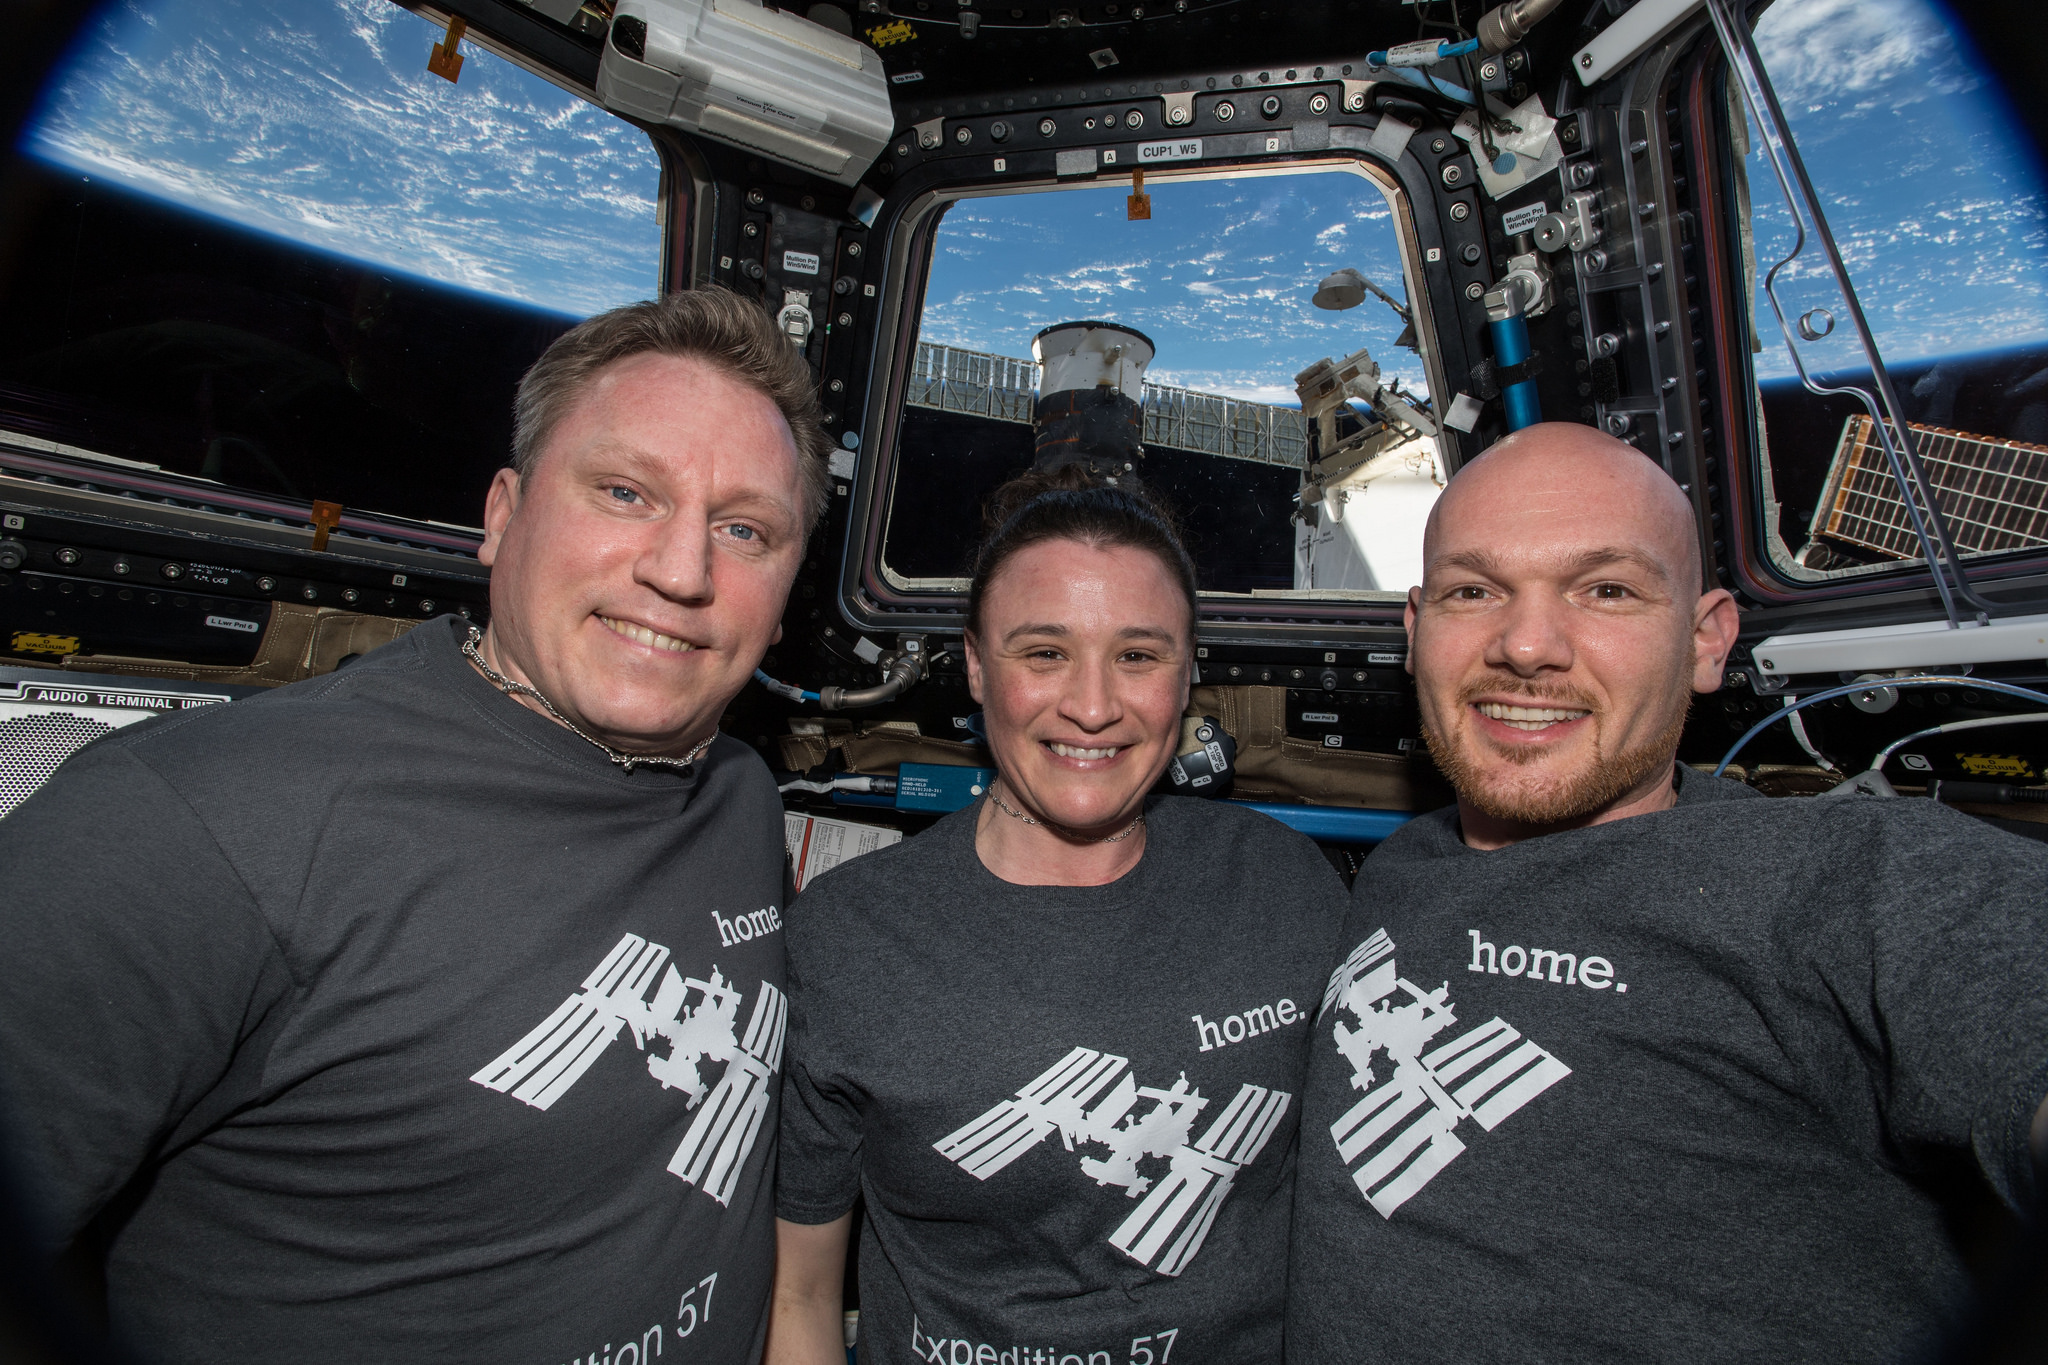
x=1405, y=1125
x=1091, y=1098
x=696, y=1018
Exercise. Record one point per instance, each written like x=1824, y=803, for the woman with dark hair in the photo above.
x=1056, y=1040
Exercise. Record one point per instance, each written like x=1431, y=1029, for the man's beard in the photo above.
x=1592, y=788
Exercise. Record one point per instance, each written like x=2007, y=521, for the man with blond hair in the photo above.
x=400, y=1026
x=1624, y=1061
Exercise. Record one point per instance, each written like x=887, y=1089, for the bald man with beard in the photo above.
x=1624, y=1061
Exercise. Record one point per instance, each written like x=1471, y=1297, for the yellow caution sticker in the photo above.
x=1995, y=765
x=887, y=35
x=33, y=642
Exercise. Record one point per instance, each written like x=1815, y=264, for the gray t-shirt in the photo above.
x=387, y=1020
x=1667, y=1088
x=1071, y=1110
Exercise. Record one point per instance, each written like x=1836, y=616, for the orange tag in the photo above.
x=1140, y=202
x=326, y=519
x=445, y=60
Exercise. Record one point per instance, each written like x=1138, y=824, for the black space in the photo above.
x=1235, y=514
x=177, y=339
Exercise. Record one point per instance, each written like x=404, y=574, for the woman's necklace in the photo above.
x=1015, y=814
x=509, y=688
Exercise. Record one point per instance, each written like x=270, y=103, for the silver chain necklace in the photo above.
x=510, y=688
x=1015, y=814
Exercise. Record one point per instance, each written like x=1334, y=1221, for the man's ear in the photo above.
x=1715, y=623
x=973, y=652
x=499, y=505
x=1408, y=615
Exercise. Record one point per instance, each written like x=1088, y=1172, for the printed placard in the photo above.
x=1523, y=219
x=1177, y=149
x=800, y=262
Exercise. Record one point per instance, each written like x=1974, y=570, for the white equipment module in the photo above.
x=762, y=79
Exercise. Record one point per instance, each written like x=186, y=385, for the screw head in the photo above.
x=1046, y=127
x=67, y=556
x=963, y=135
x=1585, y=59
x=1460, y=211
x=755, y=199
x=1437, y=145
x=1318, y=103
x=1475, y=290
x=1490, y=71
x=1225, y=111
x=853, y=250
x=1134, y=119
x=845, y=319
x=1454, y=174
x=1177, y=115
x=172, y=571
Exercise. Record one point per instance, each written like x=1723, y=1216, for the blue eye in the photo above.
x=624, y=494
x=744, y=532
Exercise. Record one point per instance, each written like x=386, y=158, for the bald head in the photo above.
x=1543, y=481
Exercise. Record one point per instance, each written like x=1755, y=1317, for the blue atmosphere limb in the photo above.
x=1335, y=824
x=1511, y=347
x=1982, y=684
x=783, y=689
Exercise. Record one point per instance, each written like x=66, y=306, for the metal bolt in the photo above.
x=1356, y=102
x=1225, y=111
x=1606, y=344
x=1515, y=60
x=837, y=386
x=963, y=135
x=266, y=584
x=1135, y=119
x=1596, y=260
x=1586, y=59
x=1618, y=423
x=1177, y=115
x=67, y=556
x=750, y=229
x=755, y=199
x=999, y=131
x=1583, y=173
x=1046, y=127
x=1454, y=174
x=123, y=567
x=1437, y=145
x=807, y=203
x=853, y=250
x=1270, y=106
x=1460, y=211
x=845, y=319
x=172, y=571
x=1319, y=103
x=903, y=149
x=1489, y=71
x=1470, y=253
x=1475, y=290
x=310, y=593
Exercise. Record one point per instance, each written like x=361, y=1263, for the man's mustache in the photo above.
x=1499, y=685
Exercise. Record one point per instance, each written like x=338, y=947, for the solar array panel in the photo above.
x=1993, y=493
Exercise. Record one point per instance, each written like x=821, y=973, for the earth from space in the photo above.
x=317, y=121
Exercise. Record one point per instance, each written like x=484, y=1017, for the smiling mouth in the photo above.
x=653, y=639
x=1529, y=717
x=1072, y=751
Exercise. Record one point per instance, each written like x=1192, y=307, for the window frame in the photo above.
x=867, y=597
x=1878, y=592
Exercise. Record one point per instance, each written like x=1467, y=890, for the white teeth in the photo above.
x=650, y=638
x=1069, y=751
x=1529, y=717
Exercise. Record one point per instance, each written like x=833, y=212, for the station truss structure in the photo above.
x=1001, y=387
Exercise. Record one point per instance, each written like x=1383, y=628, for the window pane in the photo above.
x=1938, y=205
x=1220, y=278
x=274, y=250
